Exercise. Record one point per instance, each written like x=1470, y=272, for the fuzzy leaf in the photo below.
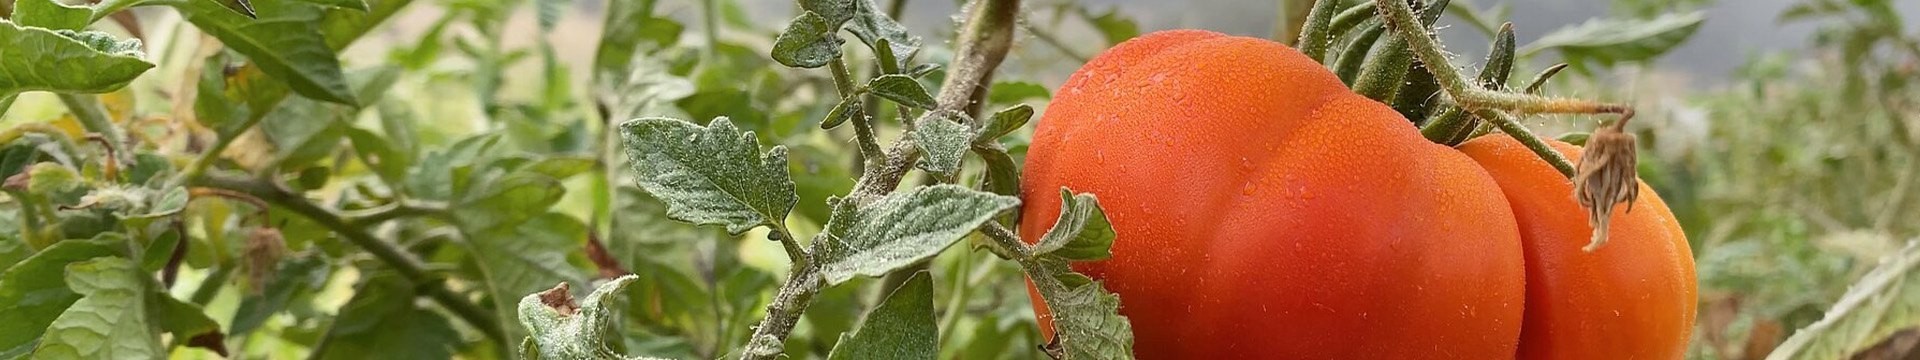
x=384, y=320
x=1885, y=301
x=110, y=321
x=841, y=112
x=566, y=331
x=710, y=175
x=1086, y=317
x=902, y=327
x=901, y=89
x=943, y=140
x=1610, y=41
x=901, y=229
x=808, y=42
x=64, y=61
x=51, y=14
x=282, y=42
x=1081, y=233
x=871, y=25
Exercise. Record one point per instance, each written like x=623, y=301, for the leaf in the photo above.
x=1088, y=324
x=548, y=13
x=1003, y=122
x=871, y=25
x=1081, y=232
x=842, y=111
x=1113, y=25
x=35, y=59
x=110, y=319
x=282, y=43
x=1610, y=41
x=35, y=292
x=943, y=140
x=293, y=278
x=1882, y=303
x=187, y=322
x=901, y=89
x=507, y=202
x=360, y=5
x=808, y=42
x=1008, y=92
x=527, y=258
x=562, y=329
x=1003, y=175
x=384, y=321
x=710, y=175
x=901, y=229
x=51, y=14
x=628, y=25
x=902, y=327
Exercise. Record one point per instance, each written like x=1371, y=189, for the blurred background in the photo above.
x=1785, y=134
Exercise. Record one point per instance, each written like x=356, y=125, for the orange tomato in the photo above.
x=1263, y=210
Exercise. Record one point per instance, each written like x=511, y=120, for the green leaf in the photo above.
x=902, y=327
x=820, y=173
x=187, y=322
x=51, y=14
x=1113, y=25
x=110, y=319
x=943, y=141
x=383, y=320
x=1081, y=232
x=293, y=278
x=710, y=175
x=1003, y=122
x=871, y=25
x=901, y=89
x=564, y=330
x=1610, y=41
x=360, y=5
x=548, y=12
x=833, y=12
x=1008, y=92
x=282, y=42
x=528, y=257
x=35, y=292
x=1088, y=324
x=628, y=25
x=841, y=112
x=62, y=61
x=901, y=229
x=1003, y=175
x=808, y=42
x=1882, y=303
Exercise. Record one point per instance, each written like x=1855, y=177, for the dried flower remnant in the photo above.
x=1606, y=177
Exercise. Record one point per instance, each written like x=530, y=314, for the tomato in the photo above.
x=1263, y=210
x=1632, y=299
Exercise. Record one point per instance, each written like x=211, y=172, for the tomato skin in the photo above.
x=1265, y=211
x=1633, y=298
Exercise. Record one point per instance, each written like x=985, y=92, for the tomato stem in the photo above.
x=1313, y=39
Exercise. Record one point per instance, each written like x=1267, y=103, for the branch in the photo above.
x=983, y=44
x=409, y=267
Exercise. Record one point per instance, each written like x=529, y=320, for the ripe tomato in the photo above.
x=1266, y=211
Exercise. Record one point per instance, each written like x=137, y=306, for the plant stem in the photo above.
x=405, y=264
x=93, y=117
x=1401, y=19
x=983, y=44
x=863, y=132
x=1314, y=38
x=1047, y=37
x=710, y=9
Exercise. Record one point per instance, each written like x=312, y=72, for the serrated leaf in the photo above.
x=110, y=319
x=1081, y=233
x=902, y=327
x=901, y=89
x=283, y=43
x=901, y=229
x=63, y=61
x=522, y=259
x=1003, y=122
x=1610, y=41
x=1883, y=302
x=808, y=42
x=943, y=141
x=712, y=175
x=1086, y=317
x=564, y=330
x=383, y=320
x=35, y=292
x=51, y=14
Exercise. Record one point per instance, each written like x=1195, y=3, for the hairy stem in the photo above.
x=1314, y=37
x=983, y=44
x=1401, y=19
x=93, y=117
x=402, y=262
